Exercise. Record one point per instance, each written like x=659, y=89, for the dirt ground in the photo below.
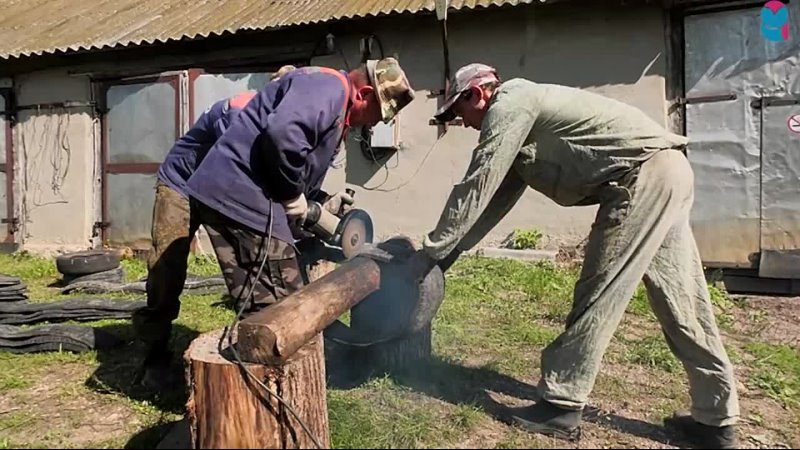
x=486, y=350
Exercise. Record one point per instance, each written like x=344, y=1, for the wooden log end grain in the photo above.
x=228, y=409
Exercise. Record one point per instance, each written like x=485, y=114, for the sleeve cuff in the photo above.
x=437, y=250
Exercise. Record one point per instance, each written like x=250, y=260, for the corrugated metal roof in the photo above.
x=35, y=27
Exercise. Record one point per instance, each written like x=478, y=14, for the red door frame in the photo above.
x=142, y=168
x=6, y=93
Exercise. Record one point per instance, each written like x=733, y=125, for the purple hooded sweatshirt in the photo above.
x=277, y=147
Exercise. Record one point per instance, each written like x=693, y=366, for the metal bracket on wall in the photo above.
x=434, y=122
x=773, y=101
x=9, y=111
x=454, y=122
x=706, y=99
x=14, y=222
x=65, y=105
x=99, y=226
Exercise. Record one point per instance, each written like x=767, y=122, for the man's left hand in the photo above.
x=340, y=202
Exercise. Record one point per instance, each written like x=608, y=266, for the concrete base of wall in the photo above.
x=520, y=255
x=53, y=250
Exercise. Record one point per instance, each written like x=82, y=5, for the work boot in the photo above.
x=156, y=371
x=550, y=420
x=700, y=435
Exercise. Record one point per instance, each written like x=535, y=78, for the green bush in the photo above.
x=525, y=239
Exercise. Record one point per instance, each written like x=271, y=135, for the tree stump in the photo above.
x=228, y=409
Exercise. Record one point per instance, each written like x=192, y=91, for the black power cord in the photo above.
x=243, y=304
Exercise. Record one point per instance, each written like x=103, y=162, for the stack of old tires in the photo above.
x=90, y=265
x=12, y=289
x=28, y=327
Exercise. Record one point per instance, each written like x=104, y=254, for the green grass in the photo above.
x=651, y=351
x=199, y=313
x=497, y=317
x=381, y=414
x=525, y=239
x=777, y=371
x=503, y=308
x=640, y=305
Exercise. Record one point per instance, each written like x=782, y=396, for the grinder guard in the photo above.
x=353, y=232
x=349, y=232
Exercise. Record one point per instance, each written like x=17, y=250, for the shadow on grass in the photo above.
x=174, y=434
x=633, y=427
x=118, y=368
x=457, y=384
x=435, y=377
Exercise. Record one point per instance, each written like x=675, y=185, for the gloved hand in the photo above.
x=338, y=202
x=296, y=209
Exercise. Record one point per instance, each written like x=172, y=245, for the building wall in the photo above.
x=618, y=51
x=55, y=159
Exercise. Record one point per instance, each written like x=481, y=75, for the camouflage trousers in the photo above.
x=238, y=249
x=241, y=252
x=642, y=232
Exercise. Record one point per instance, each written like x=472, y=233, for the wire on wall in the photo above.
x=50, y=131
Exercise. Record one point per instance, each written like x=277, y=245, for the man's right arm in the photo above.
x=309, y=109
x=504, y=132
x=509, y=192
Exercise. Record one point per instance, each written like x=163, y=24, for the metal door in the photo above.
x=780, y=188
x=6, y=168
x=141, y=123
x=724, y=153
x=729, y=66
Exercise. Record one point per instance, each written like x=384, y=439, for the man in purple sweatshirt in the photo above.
x=251, y=189
x=173, y=228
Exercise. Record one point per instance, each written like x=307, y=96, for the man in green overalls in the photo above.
x=580, y=148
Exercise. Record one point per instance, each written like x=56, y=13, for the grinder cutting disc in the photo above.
x=354, y=230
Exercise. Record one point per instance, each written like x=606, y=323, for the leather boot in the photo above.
x=156, y=372
x=550, y=420
x=702, y=436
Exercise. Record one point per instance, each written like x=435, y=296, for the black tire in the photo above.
x=116, y=275
x=87, y=262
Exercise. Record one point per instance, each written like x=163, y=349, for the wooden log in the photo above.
x=273, y=334
x=228, y=409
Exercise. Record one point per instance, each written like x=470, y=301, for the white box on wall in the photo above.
x=385, y=135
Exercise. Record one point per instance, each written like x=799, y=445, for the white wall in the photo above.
x=54, y=163
x=618, y=52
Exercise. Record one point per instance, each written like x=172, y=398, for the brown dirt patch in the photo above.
x=59, y=411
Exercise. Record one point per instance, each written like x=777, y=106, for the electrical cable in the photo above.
x=236, y=319
x=366, y=133
x=386, y=169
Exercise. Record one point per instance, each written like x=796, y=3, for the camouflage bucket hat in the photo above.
x=391, y=86
x=466, y=77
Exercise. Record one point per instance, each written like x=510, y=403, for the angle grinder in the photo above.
x=348, y=231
